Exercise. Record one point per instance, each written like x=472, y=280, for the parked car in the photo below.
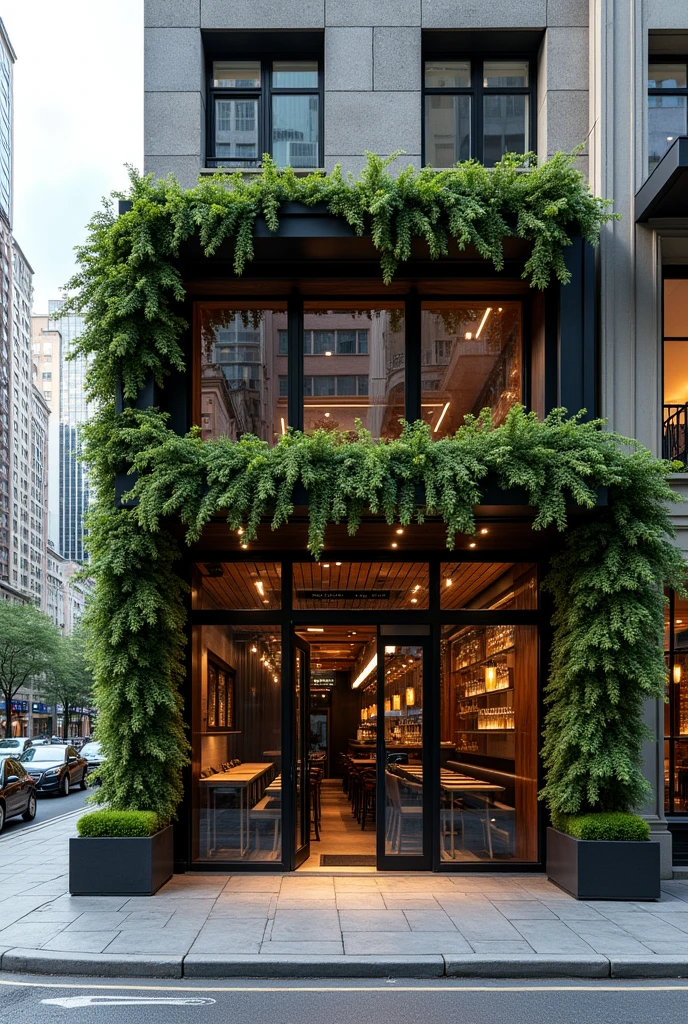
x=17, y=791
x=93, y=754
x=55, y=768
x=40, y=741
x=16, y=745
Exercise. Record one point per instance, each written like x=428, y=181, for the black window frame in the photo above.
x=664, y=58
x=263, y=94
x=477, y=91
x=673, y=735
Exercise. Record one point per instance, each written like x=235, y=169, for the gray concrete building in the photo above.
x=317, y=83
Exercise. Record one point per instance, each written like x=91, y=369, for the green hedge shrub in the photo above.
x=613, y=825
x=118, y=824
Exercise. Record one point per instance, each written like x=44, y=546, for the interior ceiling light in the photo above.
x=260, y=587
x=414, y=600
x=314, y=629
x=337, y=563
x=363, y=675
x=442, y=415
x=245, y=547
x=395, y=545
x=254, y=649
x=400, y=531
x=483, y=321
x=468, y=335
x=472, y=544
x=240, y=531
x=326, y=565
x=484, y=530
x=448, y=582
x=284, y=426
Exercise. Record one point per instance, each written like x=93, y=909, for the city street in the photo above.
x=394, y=1002
x=47, y=807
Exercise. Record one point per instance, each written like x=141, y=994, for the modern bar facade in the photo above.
x=451, y=647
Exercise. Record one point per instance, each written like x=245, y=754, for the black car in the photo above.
x=55, y=768
x=17, y=792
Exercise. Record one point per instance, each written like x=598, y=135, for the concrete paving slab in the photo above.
x=294, y=924
x=82, y=942
x=508, y=947
x=523, y=910
x=155, y=943
x=399, y=943
x=367, y=901
x=373, y=921
x=92, y=921
x=552, y=937
x=429, y=921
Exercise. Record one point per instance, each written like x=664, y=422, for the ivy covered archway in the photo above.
x=607, y=580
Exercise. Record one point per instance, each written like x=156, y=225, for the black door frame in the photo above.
x=300, y=851
x=423, y=639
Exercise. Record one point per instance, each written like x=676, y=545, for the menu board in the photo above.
x=220, y=696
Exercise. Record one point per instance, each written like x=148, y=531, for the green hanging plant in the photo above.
x=607, y=580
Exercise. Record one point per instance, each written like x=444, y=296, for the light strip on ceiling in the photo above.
x=484, y=319
x=372, y=664
x=442, y=415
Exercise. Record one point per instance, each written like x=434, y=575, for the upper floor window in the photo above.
x=667, y=103
x=477, y=109
x=271, y=106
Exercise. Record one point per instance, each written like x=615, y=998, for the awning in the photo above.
x=665, y=193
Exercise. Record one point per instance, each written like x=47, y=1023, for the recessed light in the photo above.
x=395, y=545
x=400, y=531
x=484, y=530
x=337, y=563
x=314, y=629
x=326, y=565
x=472, y=544
x=414, y=600
x=244, y=546
x=328, y=353
x=679, y=622
x=448, y=583
x=468, y=335
x=240, y=530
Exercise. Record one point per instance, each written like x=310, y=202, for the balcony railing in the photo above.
x=675, y=433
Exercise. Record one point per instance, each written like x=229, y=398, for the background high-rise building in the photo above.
x=46, y=350
x=73, y=412
x=7, y=58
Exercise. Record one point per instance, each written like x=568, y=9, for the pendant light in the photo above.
x=410, y=696
x=364, y=714
x=396, y=702
x=388, y=705
x=677, y=673
x=490, y=675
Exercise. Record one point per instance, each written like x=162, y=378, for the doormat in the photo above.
x=348, y=860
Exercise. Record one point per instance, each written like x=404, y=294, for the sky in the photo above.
x=78, y=120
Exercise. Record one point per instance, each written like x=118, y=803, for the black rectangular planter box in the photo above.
x=120, y=867
x=601, y=870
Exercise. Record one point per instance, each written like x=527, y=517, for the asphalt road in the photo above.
x=25, y=1000
x=47, y=807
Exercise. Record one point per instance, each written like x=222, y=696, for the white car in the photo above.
x=15, y=745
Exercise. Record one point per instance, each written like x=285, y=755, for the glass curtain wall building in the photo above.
x=73, y=413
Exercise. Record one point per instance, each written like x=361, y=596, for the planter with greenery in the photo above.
x=120, y=853
x=606, y=580
x=603, y=856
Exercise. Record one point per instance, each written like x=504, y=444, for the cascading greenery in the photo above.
x=606, y=580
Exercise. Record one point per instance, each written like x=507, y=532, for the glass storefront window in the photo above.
x=250, y=586
x=236, y=744
x=488, y=585
x=666, y=114
x=675, y=414
x=676, y=709
x=353, y=367
x=489, y=740
x=403, y=705
x=360, y=586
x=471, y=360
x=243, y=371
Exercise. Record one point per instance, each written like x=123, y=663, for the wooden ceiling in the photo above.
x=335, y=648
x=328, y=586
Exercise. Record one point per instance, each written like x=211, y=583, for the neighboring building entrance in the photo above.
x=365, y=713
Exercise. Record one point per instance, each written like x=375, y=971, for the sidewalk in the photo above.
x=303, y=926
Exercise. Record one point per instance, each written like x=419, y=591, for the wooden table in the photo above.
x=455, y=782
x=364, y=762
x=243, y=778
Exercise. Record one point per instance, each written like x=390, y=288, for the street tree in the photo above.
x=29, y=649
x=71, y=683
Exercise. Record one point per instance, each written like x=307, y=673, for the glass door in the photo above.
x=404, y=792
x=301, y=682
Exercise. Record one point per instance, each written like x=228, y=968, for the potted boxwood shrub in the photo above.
x=120, y=853
x=603, y=856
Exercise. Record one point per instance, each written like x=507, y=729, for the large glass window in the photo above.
x=471, y=360
x=242, y=365
x=667, y=105
x=675, y=414
x=476, y=109
x=489, y=742
x=249, y=586
x=353, y=367
x=236, y=744
x=265, y=106
x=360, y=586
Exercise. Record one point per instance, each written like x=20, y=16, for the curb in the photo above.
x=296, y=968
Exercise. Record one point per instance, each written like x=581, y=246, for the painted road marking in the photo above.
x=442, y=985
x=70, y=1002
